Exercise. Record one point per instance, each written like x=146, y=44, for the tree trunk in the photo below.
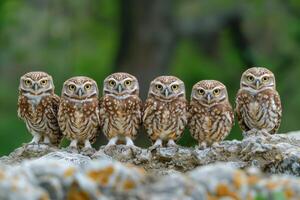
x=147, y=39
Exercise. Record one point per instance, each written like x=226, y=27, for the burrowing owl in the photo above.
x=258, y=104
x=38, y=107
x=78, y=111
x=120, y=108
x=165, y=110
x=210, y=113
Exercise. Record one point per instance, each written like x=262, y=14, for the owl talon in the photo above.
x=215, y=144
x=112, y=142
x=157, y=144
x=36, y=139
x=46, y=141
x=88, y=151
x=129, y=142
x=72, y=149
x=171, y=143
x=32, y=146
x=202, y=145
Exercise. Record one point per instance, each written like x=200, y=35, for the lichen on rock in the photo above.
x=254, y=167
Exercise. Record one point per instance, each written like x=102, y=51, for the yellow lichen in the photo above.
x=223, y=191
x=252, y=180
x=289, y=193
x=210, y=197
x=75, y=193
x=129, y=185
x=139, y=169
x=2, y=175
x=271, y=185
x=69, y=172
x=44, y=197
x=101, y=176
x=238, y=179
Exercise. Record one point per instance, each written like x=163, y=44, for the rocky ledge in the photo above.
x=254, y=168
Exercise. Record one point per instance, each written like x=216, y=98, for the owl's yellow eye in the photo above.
x=216, y=91
x=175, y=87
x=265, y=79
x=44, y=82
x=201, y=91
x=112, y=83
x=250, y=78
x=72, y=87
x=88, y=86
x=159, y=87
x=28, y=82
x=128, y=83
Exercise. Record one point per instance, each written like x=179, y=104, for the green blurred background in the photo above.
x=192, y=39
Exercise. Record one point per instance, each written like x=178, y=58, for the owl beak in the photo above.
x=257, y=84
x=166, y=92
x=35, y=87
x=208, y=97
x=120, y=88
x=80, y=92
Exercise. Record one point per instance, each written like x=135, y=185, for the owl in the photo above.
x=165, y=110
x=258, y=105
x=120, y=108
x=38, y=107
x=78, y=112
x=210, y=113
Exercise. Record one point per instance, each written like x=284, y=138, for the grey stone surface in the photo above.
x=267, y=167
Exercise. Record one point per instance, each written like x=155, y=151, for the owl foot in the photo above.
x=112, y=142
x=35, y=140
x=46, y=141
x=157, y=144
x=215, y=144
x=171, y=143
x=88, y=151
x=72, y=148
x=33, y=146
x=129, y=142
x=202, y=145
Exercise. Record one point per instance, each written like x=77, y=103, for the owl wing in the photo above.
x=101, y=111
x=137, y=107
x=240, y=103
x=55, y=104
x=182, y=112
x=52, y=116
x=148, y=110
x=278, y=111
x=19, y=107
x=62, y=116
x=229, y=109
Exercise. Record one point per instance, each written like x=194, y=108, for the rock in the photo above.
x=256, y=167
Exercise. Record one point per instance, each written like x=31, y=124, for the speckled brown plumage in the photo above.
x=165, y=110
x=38, y=107
x=258, y=105
x=120, y=108
x=210, y=114
x=78, y=111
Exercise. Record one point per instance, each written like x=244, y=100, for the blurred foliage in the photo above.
x=215, y=39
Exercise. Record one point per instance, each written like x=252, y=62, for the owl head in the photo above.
x=209, y=92
x=121, y=85
x=80, y=88
x=36, y=83
x=258, y=78
x=167, y=88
